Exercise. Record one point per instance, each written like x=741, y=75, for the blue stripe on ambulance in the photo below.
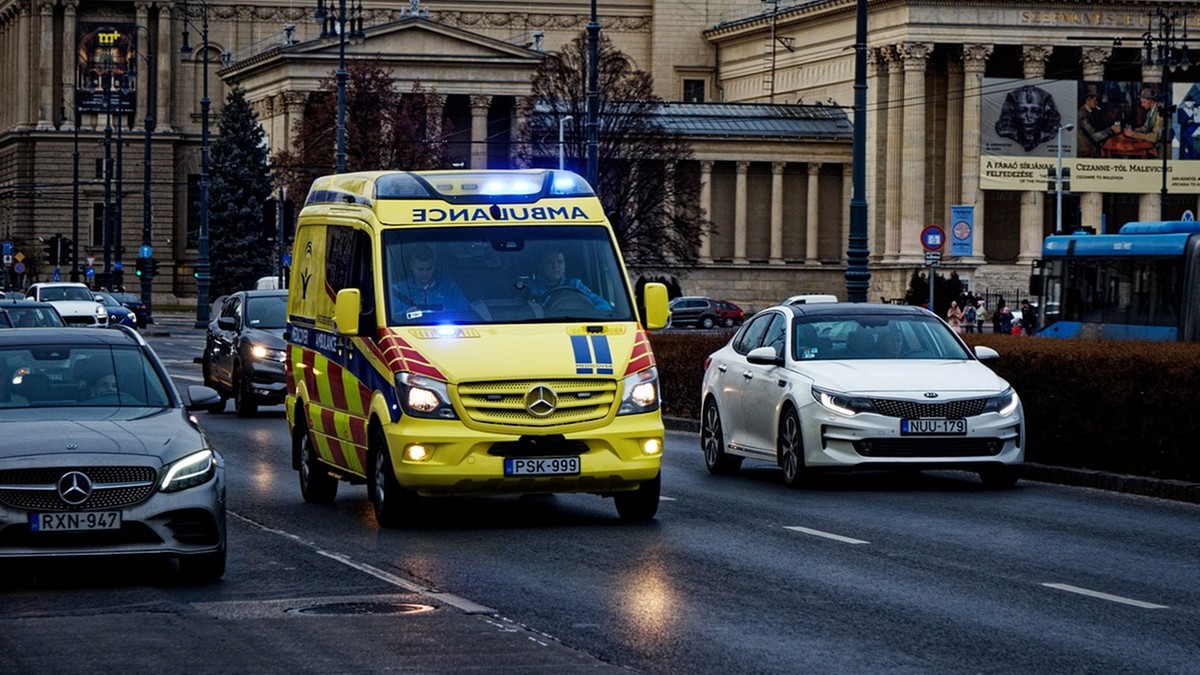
x=603, y=355
x=585, y=362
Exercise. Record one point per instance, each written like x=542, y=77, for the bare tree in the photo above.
x=648, y=182
x=384, y=129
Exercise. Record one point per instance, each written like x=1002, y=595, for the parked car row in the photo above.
x=705, y=312
x=74, y=304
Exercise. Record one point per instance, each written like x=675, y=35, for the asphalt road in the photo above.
x=861, y=573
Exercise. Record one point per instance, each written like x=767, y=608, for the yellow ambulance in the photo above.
x=468, y=332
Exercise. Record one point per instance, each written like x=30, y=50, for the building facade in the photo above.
x=106, y=83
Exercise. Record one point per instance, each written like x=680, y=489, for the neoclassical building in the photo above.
x=763, y=91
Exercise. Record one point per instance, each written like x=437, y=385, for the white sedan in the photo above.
x=858, y=386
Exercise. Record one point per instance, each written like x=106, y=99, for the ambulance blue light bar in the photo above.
x=483, y=187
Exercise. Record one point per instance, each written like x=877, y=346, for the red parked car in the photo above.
x=728, y=314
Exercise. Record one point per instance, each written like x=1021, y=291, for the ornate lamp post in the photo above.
x=202, y=269
x=329, y=26
x=593, y=100
x=858, y=276
x=1167, y=48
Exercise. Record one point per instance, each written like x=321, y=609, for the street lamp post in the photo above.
x=1159, y=49
x=858, y=275
x=329, y=26
x=1058, y=176
x=593, y=100
x=561, y=121
x=148, y=124
x=202, y=268
x=107, y=226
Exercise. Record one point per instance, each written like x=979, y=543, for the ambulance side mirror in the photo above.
x=655, y=296
x=346, y=312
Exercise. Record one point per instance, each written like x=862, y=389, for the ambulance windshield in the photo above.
x=503, y=274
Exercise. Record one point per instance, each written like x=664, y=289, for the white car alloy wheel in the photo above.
x=791, y=448
x=712, y=441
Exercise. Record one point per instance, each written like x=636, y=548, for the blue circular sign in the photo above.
x=144, y=251
x=90, y=272
x=933, y=238
x=118, y=266
x=19, y=267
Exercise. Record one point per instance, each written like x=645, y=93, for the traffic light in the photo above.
x=66, y=252
x=154, y=266
x=142, y=267
x=52, y=248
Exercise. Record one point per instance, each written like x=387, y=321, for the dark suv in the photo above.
x=244, y=351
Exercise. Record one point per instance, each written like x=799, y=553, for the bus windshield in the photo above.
x=503, y=274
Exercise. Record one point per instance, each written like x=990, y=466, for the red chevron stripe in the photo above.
x=336, y=388
x=358, y=430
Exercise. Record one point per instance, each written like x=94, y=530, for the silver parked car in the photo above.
x=126, y=469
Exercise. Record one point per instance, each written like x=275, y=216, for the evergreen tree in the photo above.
x=239, y=183
x=647, y=183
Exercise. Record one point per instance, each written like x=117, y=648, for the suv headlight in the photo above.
x=641, y=392
x=842, y=404
x=195, y=469
x=101, y=313
x=1004, y=404
x=422, y=396
x=266, y=353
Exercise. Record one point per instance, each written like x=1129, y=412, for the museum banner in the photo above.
x=105, y=76
x=1116, y=143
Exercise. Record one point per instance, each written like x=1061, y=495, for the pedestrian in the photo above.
x=954, y=316
x=969, y=317
x=1004, y=321
x=1029, y=318
x=1000, y=307
x=980, y=315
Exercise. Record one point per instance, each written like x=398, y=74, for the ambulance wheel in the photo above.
x=641, y=504
x=316, y=485
x=394, y=504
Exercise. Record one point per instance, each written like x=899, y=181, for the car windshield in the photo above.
x=266, y=311
x=57, y=293
x=127, y=297
x=32, y=317
x=60, y=376
x=503, y=275
x=875, y=336
x=107, y=300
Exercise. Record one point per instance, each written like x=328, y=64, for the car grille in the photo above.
x=112, y=487
x=538, y=446
x=81, y=321
x=503, y=402
x=910, y=410
x=130, y=533
x=929, y=447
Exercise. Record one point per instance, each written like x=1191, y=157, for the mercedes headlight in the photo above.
x=842, y=404
x=266, y=353
x=422, y=396
x=1005, y=404
x=195, y=469
x=641, y=392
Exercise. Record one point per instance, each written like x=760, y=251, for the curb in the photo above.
x=1175, y=490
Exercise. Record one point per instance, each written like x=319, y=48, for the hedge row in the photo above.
x=1126, y=407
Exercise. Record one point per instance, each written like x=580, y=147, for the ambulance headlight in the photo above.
x=641, y=393
x=422, y=396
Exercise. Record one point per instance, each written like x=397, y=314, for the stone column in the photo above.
x=912, y=209
x=895, y=168
x=812, y=219
x=1150, y=204
x=163, y=55
x=143, y=66
x=292, y=103
x=435, y=111
x=954, y=135
x=521, y=114
x=777, y=212
x=847, y=195
x=974, y=63
x=479, y=144
x=739, y=215
x=1091, y=204
x=1033, y=201
x=877, y=79
x=70, y=12
x=45, y=117
x=26, y=95
x=706, y=207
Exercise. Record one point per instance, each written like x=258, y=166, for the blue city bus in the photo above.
x=1142, y=283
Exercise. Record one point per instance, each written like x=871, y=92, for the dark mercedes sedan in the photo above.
x=244, y=351
x=100, y=456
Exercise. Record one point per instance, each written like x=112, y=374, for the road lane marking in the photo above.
x=463, y=604
x=827, y=535
x=1105, y=596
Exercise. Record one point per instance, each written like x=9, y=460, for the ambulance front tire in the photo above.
x=394, y=504
x=316, y=485
x=641, y=504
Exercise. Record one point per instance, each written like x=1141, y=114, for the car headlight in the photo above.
x=261, y=352
x=422, y=396
x=641, y=392
x=842, y=404
x=101, y=313
x=1005, y=404
x=195, y=469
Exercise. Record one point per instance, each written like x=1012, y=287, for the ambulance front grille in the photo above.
x=503, y=402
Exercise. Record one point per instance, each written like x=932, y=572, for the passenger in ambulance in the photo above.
x=421, y=291
x=551, y=285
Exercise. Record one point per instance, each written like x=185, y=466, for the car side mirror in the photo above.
x=226, y=323
x=986, y=353
x=346, y=310
x=199, y=397
x=764, y=356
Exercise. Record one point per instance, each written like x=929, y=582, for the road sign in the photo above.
x=933, y=238
x=8, y=259
x=91, y=260
x=933, y=258
x=1188, y=216
x=144, y=251
x=90, y=273
x=118, y=266
x=19, y=268
x=8, y=247
x=19, y=256
x=57, y=274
